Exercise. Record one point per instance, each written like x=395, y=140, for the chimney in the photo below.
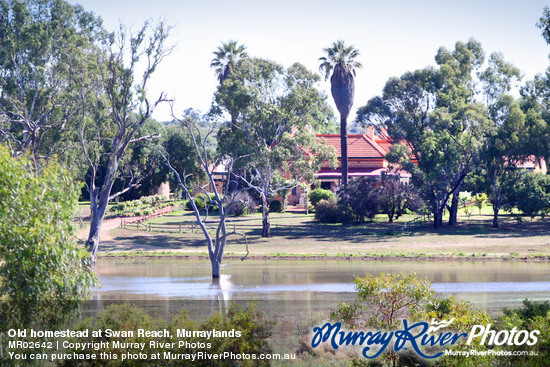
x=370, y=132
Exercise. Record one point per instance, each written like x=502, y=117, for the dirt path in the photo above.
x=104, y=234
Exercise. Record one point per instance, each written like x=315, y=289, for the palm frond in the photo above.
x=226, y=57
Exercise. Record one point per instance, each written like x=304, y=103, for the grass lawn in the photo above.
x=295, y=234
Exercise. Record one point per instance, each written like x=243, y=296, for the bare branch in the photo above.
x=145, y=138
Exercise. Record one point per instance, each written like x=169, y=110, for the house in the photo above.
x=366, y=158
x=532, y=164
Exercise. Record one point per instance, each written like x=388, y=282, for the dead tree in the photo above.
x=215, y=231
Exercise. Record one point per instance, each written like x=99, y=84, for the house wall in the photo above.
x=367, y=163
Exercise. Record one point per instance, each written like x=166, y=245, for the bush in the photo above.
x=360, y=198
x=534, y=315
x=244, y=205
x=532, y=194
x=275, y=206
x=329, y=211
x=211, y=203
x=254, y=327
x=396, y=198
x=315, y=196
x=480, y=200
x=199, y=203
x=42, y=277
x=384, y=301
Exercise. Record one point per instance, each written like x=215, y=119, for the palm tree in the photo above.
x=227, y=57
x=339, y=61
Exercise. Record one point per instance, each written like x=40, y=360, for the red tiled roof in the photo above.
x=359, y=146
x=384, y=144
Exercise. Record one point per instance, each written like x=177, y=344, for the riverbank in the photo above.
x=164, y=255
x=297, y=236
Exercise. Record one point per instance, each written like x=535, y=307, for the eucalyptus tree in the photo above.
x=339, y=63
x=113, y=115
x=274, y=133
x=498, y=78
x=544, y=24
x=192, y=183
x=507, y=137
x=536, y=100
x=504, y=152
x=42, y=45
x=433, y=112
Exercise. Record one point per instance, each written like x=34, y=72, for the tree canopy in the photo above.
x=43, y=45
x=433, y=110
x=43, y=273
x=276, y=112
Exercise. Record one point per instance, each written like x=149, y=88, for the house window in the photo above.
x=293, y=191
x=325, y=185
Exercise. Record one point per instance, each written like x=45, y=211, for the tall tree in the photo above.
x=227, y=56
x=113, y=118
x=340, y=64
x=277, y=111
x=505, y=149
x=507, y=136
x=433, y=112
x=42, y=45
x=221, y=197
x=536, y=101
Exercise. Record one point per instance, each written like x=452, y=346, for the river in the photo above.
x=315, y=285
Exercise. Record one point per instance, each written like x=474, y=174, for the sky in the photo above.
x=393, y=37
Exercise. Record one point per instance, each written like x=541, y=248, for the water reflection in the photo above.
x=491, y=285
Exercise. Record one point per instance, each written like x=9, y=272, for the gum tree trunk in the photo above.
x=453, y=211
x=266, y=226
x=99, y=200
x=215, y=267
x=495, y=216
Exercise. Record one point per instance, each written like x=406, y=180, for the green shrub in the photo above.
x=532, y=194
x=328, y=211
x=254, y=327
x=244, y=205
x=199, y=203
x=211, y=203
x=384, y=301
x=275, y=206
x=534, y=315
x=480, y=200
x=42, y=277
x=315, y=196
